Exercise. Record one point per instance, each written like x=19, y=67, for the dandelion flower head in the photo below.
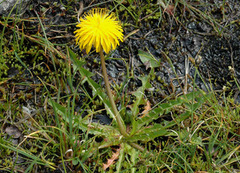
x=100, y=29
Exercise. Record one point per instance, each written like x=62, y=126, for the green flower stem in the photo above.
x=119, y=120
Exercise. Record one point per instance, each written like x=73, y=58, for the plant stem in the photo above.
x=119, y=120
x=118, y=117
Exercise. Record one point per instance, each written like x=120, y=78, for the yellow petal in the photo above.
x=99, y=29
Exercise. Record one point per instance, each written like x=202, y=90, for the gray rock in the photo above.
x=7, y=5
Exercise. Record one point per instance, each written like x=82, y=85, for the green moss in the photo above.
x=3, y=66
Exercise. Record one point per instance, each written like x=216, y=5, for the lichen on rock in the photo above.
x=7, y=5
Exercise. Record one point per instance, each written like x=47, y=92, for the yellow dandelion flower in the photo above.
x=100, y=29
